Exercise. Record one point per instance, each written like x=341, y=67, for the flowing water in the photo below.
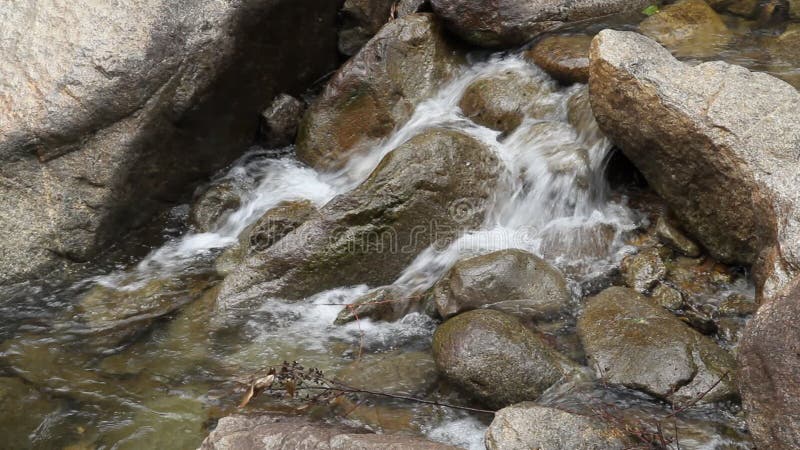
x=62, y=384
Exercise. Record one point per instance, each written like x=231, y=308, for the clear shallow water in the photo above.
x=61, y=385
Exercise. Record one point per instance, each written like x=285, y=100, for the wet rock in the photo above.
x=150, y=96
x=634, y=343
x=563, y=57
x=387, y=303
x=513, y=281
x=688, y=28
x=528, y=426
x=427, y=191
x=267, y=432
x=406, y=7
x=214, y=205
x=784, y=52
x=376, y=91
x=667, y=297
x=581, y=117
x=716, y=141
x=502, y=101
x=278, y=222
x=671, y=236
x=769, y=358
x=361, y=19
x=494, y=358
x=509, y=23
x=402, y=372
x=643, y=270
x=279, y=122
x=794, y=9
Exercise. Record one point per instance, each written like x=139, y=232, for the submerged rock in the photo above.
x=502, y=101
x=513, y=281
x=769, y=358
x=716, y=141
x=563, y=57
x=427, y=191
x=279, y=122
x=527, y=426
x=376, y=91
x=214, y=205
x=400, y=372
x=494, y=358
x=634, y=343
x=509, y=23
x=266, y=432
x=112, y=112
x=688, y=28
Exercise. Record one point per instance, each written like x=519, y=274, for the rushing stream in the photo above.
x=168, y=386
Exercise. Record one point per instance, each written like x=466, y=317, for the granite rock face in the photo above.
x=719, y=143
x=111, y=111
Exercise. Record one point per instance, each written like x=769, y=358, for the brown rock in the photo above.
x=563, y=57
x=688, y=28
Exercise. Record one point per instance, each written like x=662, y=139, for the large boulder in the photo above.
x=265, y=432
x=494, y=358
x=527, y=426
x=376, y=91
x=361, y=19
x=427, y=191
x=513, y=281
x=769, y=357
x=633, y=342
x=716, y=141
x=111, y=110
x=508, y=23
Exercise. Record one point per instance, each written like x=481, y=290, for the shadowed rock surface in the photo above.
x=109, y=112
x=376, y=91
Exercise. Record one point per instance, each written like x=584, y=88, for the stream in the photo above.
x=64, y=385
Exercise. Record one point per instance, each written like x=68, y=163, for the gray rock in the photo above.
x=643, y=270
x=673, y=237
x=376, y=91
x=277, y=223
x=632, y=342
x=266, y=432
x=415, y=197
x=112, y=112
x=512, y=281
x=494, y=358
x=279, y=122
x=689, y=28
x=716, y=141
x=361, y=19
x=769, y=358
x=509, y=23
x=214, y=205
x=387, y=303
x=526, y=426
x=502, y=101
x=563, y=57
